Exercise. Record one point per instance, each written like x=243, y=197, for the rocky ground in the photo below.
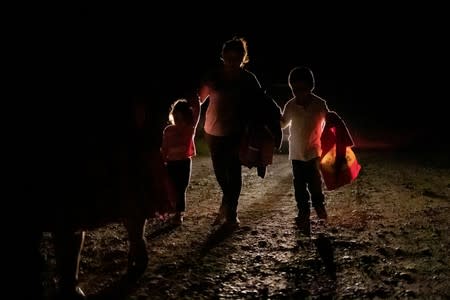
x=387, y=236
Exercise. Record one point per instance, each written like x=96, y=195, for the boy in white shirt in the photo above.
x=305, y=116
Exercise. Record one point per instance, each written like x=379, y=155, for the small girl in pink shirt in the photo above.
x=178, y=148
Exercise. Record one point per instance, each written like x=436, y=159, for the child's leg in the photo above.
x=302, y=196
x=180, y=173
x=185, y=174
x=315, y=188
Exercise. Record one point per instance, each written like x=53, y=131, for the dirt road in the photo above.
x=386, y=237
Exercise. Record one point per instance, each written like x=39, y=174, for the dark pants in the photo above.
x=180, y=174
x=227, y=168
x=307, y=184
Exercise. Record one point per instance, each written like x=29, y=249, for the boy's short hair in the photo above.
x=303, y=74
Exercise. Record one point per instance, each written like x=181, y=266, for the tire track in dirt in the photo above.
x=263, y=198
x=216, y=258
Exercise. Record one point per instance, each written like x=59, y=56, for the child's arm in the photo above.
x=283, y=123
x=285, y=119
x=343, y=137
x=203, y=93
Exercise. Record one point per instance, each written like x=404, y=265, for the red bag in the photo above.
x=348, y=173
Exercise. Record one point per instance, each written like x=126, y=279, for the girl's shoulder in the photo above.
x=247, y=72
x=169, y=128
x=249, y=76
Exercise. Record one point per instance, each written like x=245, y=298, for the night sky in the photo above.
x=379, y=66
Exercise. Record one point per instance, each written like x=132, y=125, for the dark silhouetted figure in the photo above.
x=230, y=89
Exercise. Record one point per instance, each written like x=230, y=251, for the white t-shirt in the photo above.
x=305, y=127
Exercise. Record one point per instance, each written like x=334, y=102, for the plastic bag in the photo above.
x=348, y=173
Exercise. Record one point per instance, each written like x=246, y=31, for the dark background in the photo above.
x=382, y=67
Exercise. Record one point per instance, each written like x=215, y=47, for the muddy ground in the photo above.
x=387, y=236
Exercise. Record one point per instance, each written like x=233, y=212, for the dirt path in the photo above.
x=386, y=237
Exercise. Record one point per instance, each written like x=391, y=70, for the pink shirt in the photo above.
x=227, y=98
x=178, y=142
